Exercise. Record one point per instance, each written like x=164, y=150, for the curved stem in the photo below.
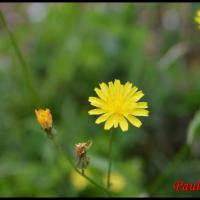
x=110, y=160
x=58, y=147
x=25, y=69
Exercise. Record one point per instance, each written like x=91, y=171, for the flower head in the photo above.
x=44, y=118
x=197, y=18
x=117, y=103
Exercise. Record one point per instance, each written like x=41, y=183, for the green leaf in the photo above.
x=194, y=129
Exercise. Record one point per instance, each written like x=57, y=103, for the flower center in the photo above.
x=119, y=105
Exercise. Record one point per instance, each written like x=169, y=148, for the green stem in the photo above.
x=58, y=147
x=83, y=171
x=25, y=69
x=110, y=160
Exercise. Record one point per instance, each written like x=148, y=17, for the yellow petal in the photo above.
x=131, y=94
x=104, y=88
x=135, y=121
x=137, y=96
x=96, y=101
x=142, y=105
x=123, y=124
x=116, y=121
x=102, y=118
x=110, y=84
x=96, y=112
x=109, y=123
x=127, y=88
x=140, y=112
x=100, y=93
x=117, y=84
x=111, y=88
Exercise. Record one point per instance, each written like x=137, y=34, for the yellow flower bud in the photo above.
x=44, y=118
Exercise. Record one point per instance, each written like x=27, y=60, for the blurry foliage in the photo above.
x=194, y=129
x=71, y=48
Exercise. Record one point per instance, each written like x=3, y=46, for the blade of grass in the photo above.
x=25, y=69
x=180, y=156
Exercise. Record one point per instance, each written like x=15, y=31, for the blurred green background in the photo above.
x=71, y=48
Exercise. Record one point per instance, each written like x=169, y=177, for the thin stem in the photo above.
x=26, y=75
x=83, y=171
x=110, y=160
x=58, y=147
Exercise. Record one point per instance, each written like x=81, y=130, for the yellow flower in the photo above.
x=44, y=118
x=117, y=103
x=197, y=18
x=79, y=181
x=118, y=182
